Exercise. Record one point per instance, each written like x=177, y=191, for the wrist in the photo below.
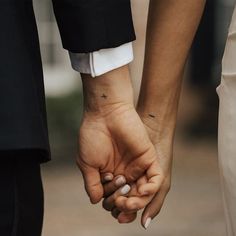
x=160, y=126
x=107, y=92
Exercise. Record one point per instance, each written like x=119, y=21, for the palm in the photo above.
x=116, y=143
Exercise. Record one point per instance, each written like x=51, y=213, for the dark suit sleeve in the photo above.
x=90, y=25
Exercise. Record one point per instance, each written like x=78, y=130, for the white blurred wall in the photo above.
x=60, y=79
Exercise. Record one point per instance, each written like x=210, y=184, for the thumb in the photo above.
x=137, y=168
x=92, y=182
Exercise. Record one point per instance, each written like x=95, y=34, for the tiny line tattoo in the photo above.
x=104, y=96
x=151, y=115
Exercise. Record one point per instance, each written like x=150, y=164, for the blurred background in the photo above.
x=193, y=205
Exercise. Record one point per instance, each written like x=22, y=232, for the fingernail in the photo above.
x=124, y=190
x=108, y=178
x=147, y=223
x=120, y=181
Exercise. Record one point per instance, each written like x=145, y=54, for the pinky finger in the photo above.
x=153, y=208
x=115, y=212
x=125, y=218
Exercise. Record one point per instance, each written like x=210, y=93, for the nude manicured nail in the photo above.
x=108, y=178
x=124, y=190
x=120, y=181
x=147, y=223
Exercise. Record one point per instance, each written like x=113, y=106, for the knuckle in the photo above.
x=130, y=206
x=134, y=174
x=119, y=205
x=105, y=205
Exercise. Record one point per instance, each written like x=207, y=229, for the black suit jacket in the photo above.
x=85, y=26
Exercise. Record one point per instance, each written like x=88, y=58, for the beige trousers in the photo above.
x=227, y=129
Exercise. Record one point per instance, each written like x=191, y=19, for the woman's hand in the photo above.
x=170, y=30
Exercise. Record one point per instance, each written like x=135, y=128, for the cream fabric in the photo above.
x=227, y=129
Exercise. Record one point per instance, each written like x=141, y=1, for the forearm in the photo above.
x=171, y=28
x=107, y=92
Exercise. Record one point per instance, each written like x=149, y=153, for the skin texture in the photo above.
x=112, y=137
x=171, y=28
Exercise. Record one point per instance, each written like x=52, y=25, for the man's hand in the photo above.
x=112, y=137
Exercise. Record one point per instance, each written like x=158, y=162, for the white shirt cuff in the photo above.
x=102, y=61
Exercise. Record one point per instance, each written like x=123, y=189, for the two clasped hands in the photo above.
x=119, y=153
x=125, y=152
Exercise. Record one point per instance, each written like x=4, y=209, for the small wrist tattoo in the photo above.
x=104, y=96
x=151, y=115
